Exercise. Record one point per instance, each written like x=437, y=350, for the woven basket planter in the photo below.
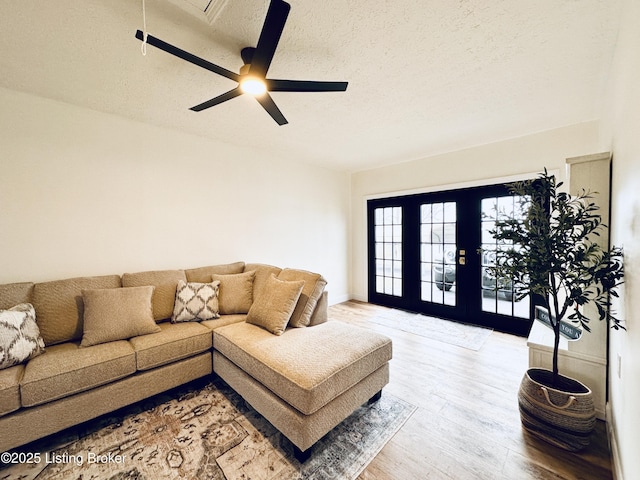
x=563, y=416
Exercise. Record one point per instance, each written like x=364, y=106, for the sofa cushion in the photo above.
x=236, y=292
x=20, y=337
x=307, y=367
x=263, y=272
x=10, y=389
x=117, y=314
x=166, y=283
x=196, y=301
x=175, y=341
x=313, y=287
x=203, y=274
x=224, y=320
x=272, y=309
x=320, y=314
x=60, y=309
x=15, y=293
x=66, y=369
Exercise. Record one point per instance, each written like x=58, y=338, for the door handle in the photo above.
x=462, y=257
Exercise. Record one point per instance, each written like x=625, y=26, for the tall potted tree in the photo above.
x=552, y=255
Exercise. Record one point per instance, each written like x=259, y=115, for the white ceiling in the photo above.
x=425, y=76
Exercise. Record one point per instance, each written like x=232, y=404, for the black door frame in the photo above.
x=469, y=305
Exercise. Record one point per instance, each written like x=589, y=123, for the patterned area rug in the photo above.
x=454, y=333
x=207, y=431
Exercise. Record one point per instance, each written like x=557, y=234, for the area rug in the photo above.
x=464, y=335
x=207, y=431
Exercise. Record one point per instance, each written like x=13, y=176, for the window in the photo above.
x=388, y=250
x=438, y=252
x=497, y=293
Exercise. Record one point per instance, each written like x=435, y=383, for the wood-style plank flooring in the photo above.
x=467, y=424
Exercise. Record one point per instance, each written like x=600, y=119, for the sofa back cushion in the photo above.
x=60, y=309
x=12, y=294
x=203, y=274
x=263, y=273
x=314, y=285
x=164, y=295
x=320, y=314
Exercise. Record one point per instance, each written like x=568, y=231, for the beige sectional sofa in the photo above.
x=113, y=340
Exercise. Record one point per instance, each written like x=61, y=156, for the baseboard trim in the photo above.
x=616, y=464
x=360, y=298
x=335, y=299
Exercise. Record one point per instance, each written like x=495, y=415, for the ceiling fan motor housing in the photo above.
x=247, y=54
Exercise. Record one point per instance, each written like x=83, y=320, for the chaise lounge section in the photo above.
x=308, y=383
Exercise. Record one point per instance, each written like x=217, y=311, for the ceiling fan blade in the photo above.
x=217, y=100
x=272, y=109
x=269, y=37
x=305, y=86
x=189, y=57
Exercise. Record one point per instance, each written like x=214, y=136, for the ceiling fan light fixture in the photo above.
x=253, y=86
x=252, y=77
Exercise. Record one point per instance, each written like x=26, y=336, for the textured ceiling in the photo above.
x=425, y=76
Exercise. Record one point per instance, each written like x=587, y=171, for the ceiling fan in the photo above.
x=252, y=77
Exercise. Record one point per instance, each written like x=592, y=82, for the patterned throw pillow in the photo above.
x=20, y=337
x=196, y=301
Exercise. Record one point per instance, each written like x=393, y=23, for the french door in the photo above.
x=430, y=253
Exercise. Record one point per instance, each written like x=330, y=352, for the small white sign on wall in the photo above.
x=567, y=330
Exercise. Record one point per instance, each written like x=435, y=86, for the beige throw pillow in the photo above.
x=236, y=292
x=196, y=301
x=112, y=314
x=20, y=337
x=273, y=308
x=314, y=285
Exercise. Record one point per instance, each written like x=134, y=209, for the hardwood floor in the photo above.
x=467, y=424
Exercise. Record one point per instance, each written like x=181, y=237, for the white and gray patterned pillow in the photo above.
x=196, y=301
x=20, y=337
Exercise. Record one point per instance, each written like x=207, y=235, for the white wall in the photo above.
x=474, y=166
x=620, y=134
x=87, y=193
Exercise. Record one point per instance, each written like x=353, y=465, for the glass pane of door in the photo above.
x=388, y=250
x=497, y=293
x=438, y=247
